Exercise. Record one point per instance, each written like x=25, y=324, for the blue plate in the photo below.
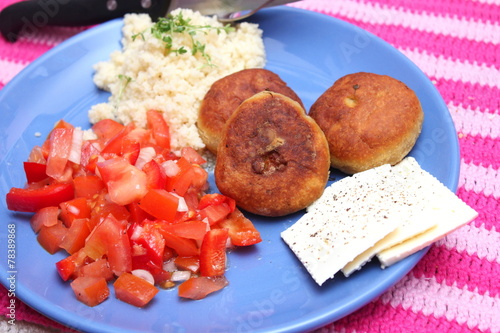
x=269, y=289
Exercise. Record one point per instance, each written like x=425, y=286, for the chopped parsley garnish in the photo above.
x=166, y=28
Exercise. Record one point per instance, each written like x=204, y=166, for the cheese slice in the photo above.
x=350, y=217
x=390, y=212
x=416, y=195
x=442, y=206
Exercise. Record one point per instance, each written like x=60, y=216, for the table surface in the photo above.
x=456, y=286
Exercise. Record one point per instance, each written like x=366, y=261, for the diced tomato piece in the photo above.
x=102, y=207
x=213, y=253
x=159, y=128
x=37, y=155
x=134, y=290
x=241, y=230
x=107, y=128
x=192, y=156
x=114, y=145
x=140, y=135
x=62, y=124
x=130, y=150
x=188, y=263
x=119, y=252
x=33, y=199
x=160, y=203
x=47, y=216
x=76, y=235
x=77, y=208
x=59, y=149
x=50, y=238
x=90, y=155
x=183, y=179
x=151, y=240
x=68, y=268
x=110, y=237
x=90, y=290
x=35, y=172
x=212, y=199
x=183, y=246
x=215, y=213
x=200, y=287
x=125, y=183
x=88, y=186
x=155, y=175
x=187, y=229
x=98, y=268
x=137, y=214
x=200, y=177
x=168, y=254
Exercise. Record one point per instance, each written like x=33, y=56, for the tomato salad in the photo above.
x=129, y=212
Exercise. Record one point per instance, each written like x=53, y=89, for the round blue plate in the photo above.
x=269, y=288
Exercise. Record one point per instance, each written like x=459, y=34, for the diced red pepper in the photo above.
x=156, y=178
x=213, y=253
x=33, y=199
x=183, y=246
x=160, y=203
x=35, y=172
x=183, y=179
x=215, y=213
x=159, y=128
x=113, y=147
x=241, y=230
x=188, y=263
x=187, y=229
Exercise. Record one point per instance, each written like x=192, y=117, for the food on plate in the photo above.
x=169, y=65
x=369, y=120
x=124, y=205
x=273, y=159
x=380, y=207
x=227, y=93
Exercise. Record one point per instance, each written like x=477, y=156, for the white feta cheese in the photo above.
x=350, y=216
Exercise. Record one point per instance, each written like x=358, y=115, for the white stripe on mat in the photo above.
x=376, y=14
x=478, y=179
x=427, y=296
x=9, y=69
x=449, y=69
x=475, y=122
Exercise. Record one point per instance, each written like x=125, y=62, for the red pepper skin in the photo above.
x=33, y=199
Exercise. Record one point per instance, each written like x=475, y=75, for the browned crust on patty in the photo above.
x=368, y=120
x=226, y=94
x=273, y=159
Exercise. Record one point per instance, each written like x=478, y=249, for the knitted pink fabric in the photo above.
x=456, y=286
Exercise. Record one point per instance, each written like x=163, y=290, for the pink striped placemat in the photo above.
x=456, y=286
